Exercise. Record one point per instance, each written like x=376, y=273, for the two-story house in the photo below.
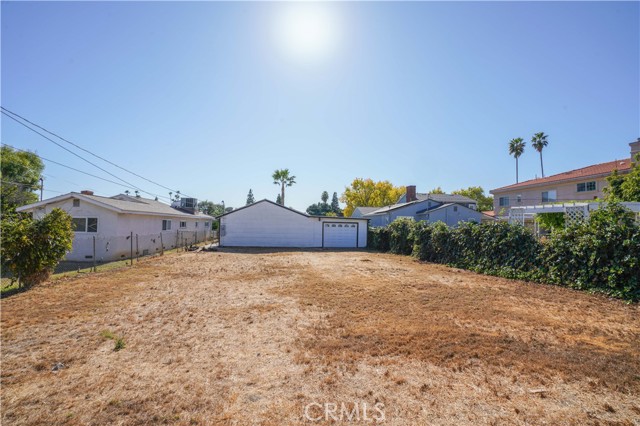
x=582, y=184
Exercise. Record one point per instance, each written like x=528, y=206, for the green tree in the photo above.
x=31, y=248
x=210, y=208
x=516, y=148
x=477, y=193
x=283, y=178
x=539, y=142
x=335, y=205
x=367, y=193
x=325, y=197
x=436, y=190
x=20, y=172
x=279, y=199
x=624, y=187
x=250, y=199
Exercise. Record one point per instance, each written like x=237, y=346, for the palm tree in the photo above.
x=538, y=142
x=282, y=178
x=516, y=148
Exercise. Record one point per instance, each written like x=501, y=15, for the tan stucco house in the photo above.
x=582, y=184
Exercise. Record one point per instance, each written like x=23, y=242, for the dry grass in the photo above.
x=252, y=337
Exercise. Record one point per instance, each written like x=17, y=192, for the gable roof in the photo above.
x=120, y=203
x=288, y=208
x=596, y=170
x=446, y=198
x=386, y=209
x=366, y=210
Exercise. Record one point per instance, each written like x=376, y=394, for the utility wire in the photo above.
x=30, y=186
x=129, y=184
x=87, y=151
x=74, y=169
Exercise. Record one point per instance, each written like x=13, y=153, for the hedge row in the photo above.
x=601, y=254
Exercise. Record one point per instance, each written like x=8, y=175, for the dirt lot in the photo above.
x=258, y=337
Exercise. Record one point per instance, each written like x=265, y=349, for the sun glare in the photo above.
x=307, y=31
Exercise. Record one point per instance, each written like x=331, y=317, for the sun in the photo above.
x=307, y=32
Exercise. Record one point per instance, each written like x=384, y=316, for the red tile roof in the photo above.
x=585, y=172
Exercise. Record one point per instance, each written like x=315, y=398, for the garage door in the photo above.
x=340, y=235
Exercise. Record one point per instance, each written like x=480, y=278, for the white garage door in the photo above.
x=340, y=235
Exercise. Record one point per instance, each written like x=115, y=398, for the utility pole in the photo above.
x=41, y=187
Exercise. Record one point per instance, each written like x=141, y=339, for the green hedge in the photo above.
x=602, y=254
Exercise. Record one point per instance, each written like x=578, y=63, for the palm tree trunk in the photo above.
x=541, y=166
x=516, y=169
x=282, y=193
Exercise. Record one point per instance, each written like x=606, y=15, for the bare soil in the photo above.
x=252, y=337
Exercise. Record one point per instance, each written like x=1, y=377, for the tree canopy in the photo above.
x=250, y=199
x=283, y=178
x=367, y=193
x=477, y=193
x=625, y=187
x=20, y=174
x=210, y=208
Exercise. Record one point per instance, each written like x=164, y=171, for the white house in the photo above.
x=267, y=224
x=123, y=224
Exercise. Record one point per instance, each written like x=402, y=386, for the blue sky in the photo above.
x=210, y=98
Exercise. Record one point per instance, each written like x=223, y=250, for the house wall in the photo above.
x=451, y=217
x=409, y=210
x=266, y=225
x=114, y=228
x=565, y=192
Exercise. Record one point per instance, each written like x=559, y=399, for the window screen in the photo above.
x=92, y=224
x=79, y=224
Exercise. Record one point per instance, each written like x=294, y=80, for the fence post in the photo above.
x=137, y=250
x=95, y=269
x=177, y=240
x=161, y=246
x=131, y=254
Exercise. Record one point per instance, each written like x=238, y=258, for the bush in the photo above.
x=31, y=248
x=601, y=254
x=401, y=236
x=378, y=239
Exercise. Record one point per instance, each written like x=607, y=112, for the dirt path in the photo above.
x=255, y=337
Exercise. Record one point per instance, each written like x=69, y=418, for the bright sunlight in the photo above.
x=307, y=32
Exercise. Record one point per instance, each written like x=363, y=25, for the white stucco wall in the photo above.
x=267, y=225
x=113, y=229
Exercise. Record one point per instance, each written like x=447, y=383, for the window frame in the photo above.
x=166, y=224
x=503, y=201
x=86, y=229
x=183, y=222
x=549, y=199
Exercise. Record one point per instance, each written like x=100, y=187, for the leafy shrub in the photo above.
x=31, y=248
x=401, y=236
x=378, y=239
x=601, y=254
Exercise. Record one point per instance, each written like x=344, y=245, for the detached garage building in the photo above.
x=267, y=224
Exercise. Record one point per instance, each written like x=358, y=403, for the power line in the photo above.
x=129, y=184
x=74, y=169
x=87, y=151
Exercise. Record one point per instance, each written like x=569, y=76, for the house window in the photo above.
x=549, y=196
x=85, y=224
x=586, y=186
x=79, y=224
x=455, y=208
x=504, y=201
x=183, y=224
x=92, y=224
x=76, y=203
x=519, y=198
x=166, y=225
x=591, y=186
x=207, y=224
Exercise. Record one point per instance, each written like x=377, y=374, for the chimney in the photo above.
x=635, y=149
x=411, y=193
x=86, y=192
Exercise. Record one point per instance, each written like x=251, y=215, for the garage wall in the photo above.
x=265, y=224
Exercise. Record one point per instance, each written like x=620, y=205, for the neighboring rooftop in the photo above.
x=601, y=169
x=122, y=203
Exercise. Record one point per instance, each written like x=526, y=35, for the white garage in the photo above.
x=267, y=224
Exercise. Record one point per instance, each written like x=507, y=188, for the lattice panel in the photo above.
x=516, y=216
x=573, y=214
